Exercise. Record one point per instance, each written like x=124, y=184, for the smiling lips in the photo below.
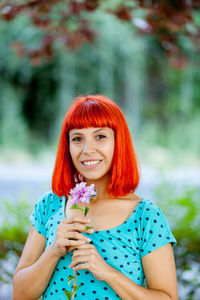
x=90, y=163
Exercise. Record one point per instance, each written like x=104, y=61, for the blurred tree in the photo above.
x=42, y=93
x=159, y=102
x=70, y=24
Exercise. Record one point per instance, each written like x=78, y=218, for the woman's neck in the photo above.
x=101, y=186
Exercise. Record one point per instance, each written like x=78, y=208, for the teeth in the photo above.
x=94, y=162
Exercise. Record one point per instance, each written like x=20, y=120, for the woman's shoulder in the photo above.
x=47, y=205
x=155, y=230
x=49, y=196
x=148, y=210
x=148, y=205
x=49, y=200
x=144, y=204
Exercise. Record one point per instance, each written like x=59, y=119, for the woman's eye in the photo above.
x=101, y=136
x=76, y=139
x=79, y=139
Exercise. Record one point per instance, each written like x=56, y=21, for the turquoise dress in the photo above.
x=122, y=247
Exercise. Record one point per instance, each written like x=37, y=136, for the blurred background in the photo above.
x=145, y=56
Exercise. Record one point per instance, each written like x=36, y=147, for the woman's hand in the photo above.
x=68, y=234
x=90, y=259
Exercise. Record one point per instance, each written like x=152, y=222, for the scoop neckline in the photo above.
x=116, y=227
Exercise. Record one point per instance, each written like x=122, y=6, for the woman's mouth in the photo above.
x=89, y=164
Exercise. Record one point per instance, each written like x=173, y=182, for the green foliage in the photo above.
x=70, y=278
x=84, y=209
x=15, y=224
x=74, y=286
x=68, y=294
x=75, y=206
x=71, y=26
x=158, y=101
x=173, y=143
x=88, y=227
x=13, y=233
x=184, y=217
x=181, y=207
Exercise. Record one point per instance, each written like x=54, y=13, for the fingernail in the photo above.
x=88, y=220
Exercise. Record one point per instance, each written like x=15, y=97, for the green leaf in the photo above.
x=76, y=287
x=86, y=211
x=68, y=294
x=88, y=227
x=70, y=278
x=82, y=208
x=75, y=206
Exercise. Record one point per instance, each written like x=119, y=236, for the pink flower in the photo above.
x=82, y=193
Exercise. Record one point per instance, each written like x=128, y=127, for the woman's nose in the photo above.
x=88, y=147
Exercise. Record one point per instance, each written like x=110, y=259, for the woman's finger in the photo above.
x=74, y=243
x=76, y=236
x=84, y=246
x=75, y=219
x=78, y=260
x=76, y=227
x=83, y=266
x=82, y=252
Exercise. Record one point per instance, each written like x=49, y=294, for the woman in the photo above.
x=131, y=240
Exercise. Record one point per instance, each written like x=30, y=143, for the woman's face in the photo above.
x=92, y=150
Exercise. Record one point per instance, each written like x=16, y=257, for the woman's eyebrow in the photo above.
x=93, y=132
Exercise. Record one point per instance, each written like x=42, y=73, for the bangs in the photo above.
x=90, y=113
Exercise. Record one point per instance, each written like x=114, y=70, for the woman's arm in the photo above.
x=36, y=266
x=34, y=269
x=160, y=273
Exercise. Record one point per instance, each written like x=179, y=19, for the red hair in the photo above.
x=97, y=111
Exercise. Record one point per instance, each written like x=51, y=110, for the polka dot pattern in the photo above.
x=122, y=247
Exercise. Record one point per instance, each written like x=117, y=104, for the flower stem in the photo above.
x=74, y=284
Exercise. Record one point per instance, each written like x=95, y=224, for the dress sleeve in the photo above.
x=155, y=230
x=39, y=213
